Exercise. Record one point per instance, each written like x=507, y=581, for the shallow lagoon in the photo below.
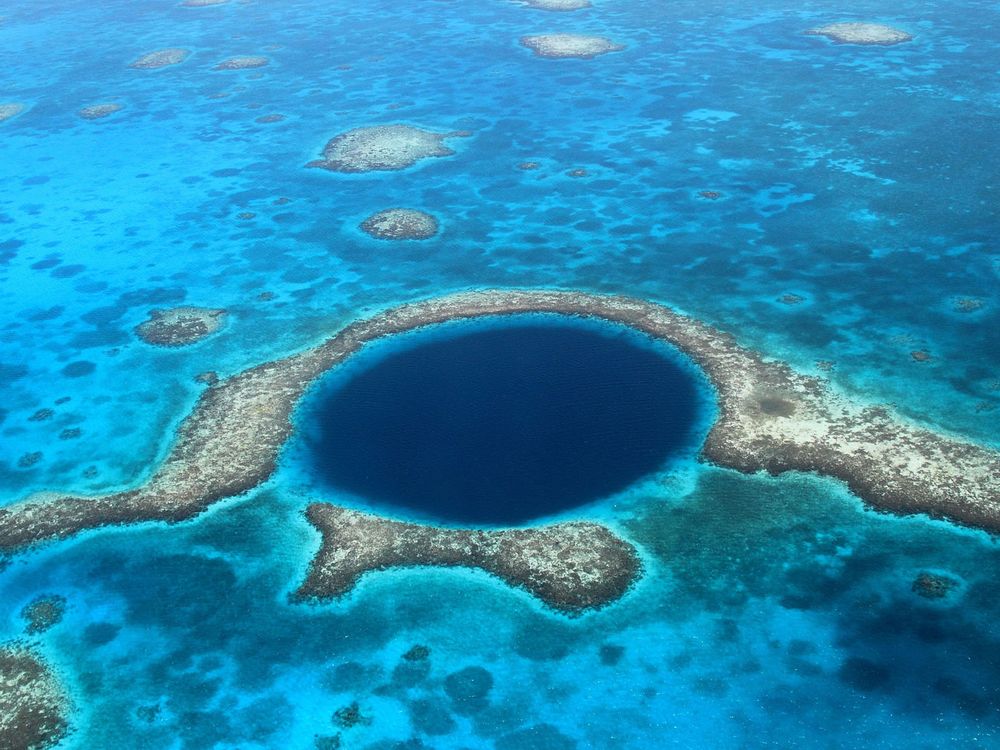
x=772, y=611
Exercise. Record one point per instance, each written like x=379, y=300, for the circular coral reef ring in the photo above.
x=770, y=418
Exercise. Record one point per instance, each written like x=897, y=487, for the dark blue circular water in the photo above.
x=502, y=424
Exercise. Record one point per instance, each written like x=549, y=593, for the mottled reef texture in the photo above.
x=179, y=326
x=242, y=63
x=33, y=705
x=382, y=147
x=97, y=111
x=161, y=58
x=43, y=612
x=400, y=224
x=861, y=33
x=569, y=45
x=572, y=567
x=9, y=110
x=770, y=419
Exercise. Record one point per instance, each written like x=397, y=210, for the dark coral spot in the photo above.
x=469, y=689
x=776, y=407
x=78, y=369
x=536, y=737
x=863, y=674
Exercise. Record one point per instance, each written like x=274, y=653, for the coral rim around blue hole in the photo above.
x=502, y=421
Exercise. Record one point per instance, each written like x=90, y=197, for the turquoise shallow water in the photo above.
x=772, y=612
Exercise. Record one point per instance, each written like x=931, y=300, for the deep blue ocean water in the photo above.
x=773, y=612
x=504, y=424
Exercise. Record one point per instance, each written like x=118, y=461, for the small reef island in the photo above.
x=855, y=32
x=34, y=705
x=560, y=46
x=180, y=326
x=383, y=147
x=9, y=110
x=560, y=5
x=770, y=418
x=161, y=58
x=400, y=224
x=99, y=111
x=244, y=62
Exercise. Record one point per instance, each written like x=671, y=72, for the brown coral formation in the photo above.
x=242, y=63
x=571, y=567
x=400, y=224
x=34, y=705
x=43, y=612
x=179, y=326
x=161, y=58
x=855, y=32
x=97, y=111
x=383, y=147
x=933, y=585
x=580, y=46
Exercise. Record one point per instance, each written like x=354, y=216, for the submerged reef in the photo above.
x=569, y=45
x=861, y=33
x=771, y=418
x=572, y=567
x=10, y=109
x=556, y=4
x=179, y=326
x=34, y=706
x=400, y=224
x=161, y=58
x=202, y=3
x=43, y=612
x=242, y=63
x=382, y=147
x=97, y=111
x=934, y=585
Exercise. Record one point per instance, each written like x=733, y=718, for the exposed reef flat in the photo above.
x=34, y=707
x=382, y=147
x=9, y=110
x=571, y=567
x=97, y=111
x=242, y=63
x=861, y=33
x=770, y=418
x=556, y=4
x=400, y=224
x=569, y=45
x=179, y=326
x=161, y=58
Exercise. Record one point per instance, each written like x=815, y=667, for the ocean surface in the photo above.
x=853, y=236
